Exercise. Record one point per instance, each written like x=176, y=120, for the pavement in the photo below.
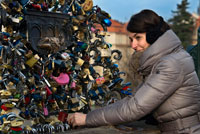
x=138, y=127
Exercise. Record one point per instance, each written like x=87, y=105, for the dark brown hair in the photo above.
x=150, y=22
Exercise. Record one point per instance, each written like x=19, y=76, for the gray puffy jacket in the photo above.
x=171, y=90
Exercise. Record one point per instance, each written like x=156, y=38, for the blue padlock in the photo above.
x=107, y=22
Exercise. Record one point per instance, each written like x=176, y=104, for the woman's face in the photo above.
x=138, y=41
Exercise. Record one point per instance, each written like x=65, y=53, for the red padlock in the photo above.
x=62, y=116
x=4, y=107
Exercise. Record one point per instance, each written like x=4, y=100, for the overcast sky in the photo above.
x=122, y=10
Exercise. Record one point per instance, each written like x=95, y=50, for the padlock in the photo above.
x=83, y=99
x=87, y=71
x=43, y=94
x=44, y=6
x=79, y=89
x=10, y=117
x=48, y=91
x=62, y=79
x=54, y=7
x=23, y=67
x=80, y=35
x=17, y=123
x=73, y=84
x=62, y=116
x=75, y=28
x=75, y=104
x=80, y=61
x=45, y=110
x=32, y=61
x=107, y=75
x=101, y=92
x=87, y=5
x=4, y=5
x=11, y=87
x=6, y=94
x=105, y=52
x=82, y=45
x=6, y=129
x=107, y=22
x=31, y=80
x=62, y=2
x=9, y=29
x=93, y=94
x=36, y=6
x=22, y=76
x=99, y=70
x=56, y=106
x=81, y=19
x=65, y=56
x=29, y=54
x=100, y=80
x=9, y=105
x=3, y=107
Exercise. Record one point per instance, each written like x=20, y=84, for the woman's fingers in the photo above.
x=70, y=119
x=77, y=119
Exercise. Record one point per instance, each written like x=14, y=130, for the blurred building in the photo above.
x=196, y=17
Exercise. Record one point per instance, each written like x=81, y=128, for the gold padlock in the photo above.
x=99, y=70
x=17, y=123
x=87, y=72
x=6, y=122
x=54, y=89
x=83, y=99
x=9, y=105
x=32, y=61
x=87, y=5
x=28, y=128
x=107, y=75
x=81, y=36
x=80, y=62
x=62, y=2
x=105, y=52
x=75, y=28
x=5, y=6
x=11, y=87
x=79, y=89
x=6, y=66
x=9, y=29
x=73, y=9
x=6, y=93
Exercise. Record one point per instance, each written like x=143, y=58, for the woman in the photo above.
x=171, y=90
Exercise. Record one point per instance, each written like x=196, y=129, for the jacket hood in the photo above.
x=165, y=44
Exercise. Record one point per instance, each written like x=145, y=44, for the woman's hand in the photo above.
x=77, y=119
